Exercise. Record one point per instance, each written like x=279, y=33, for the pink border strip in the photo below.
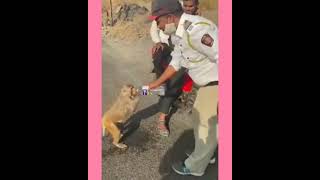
x=94, y=90
x=225, y=89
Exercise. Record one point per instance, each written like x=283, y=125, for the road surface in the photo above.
x=149, y=155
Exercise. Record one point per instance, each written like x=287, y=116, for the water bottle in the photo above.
x=145, y=91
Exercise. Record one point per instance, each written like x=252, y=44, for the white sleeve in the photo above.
x=201, y=31
x=154, y=32
x=176, y=58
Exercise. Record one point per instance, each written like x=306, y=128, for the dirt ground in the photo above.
x=140, y=26
x=149, y=156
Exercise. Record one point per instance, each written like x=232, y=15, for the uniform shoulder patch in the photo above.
x=207, y=40
x=187, y=24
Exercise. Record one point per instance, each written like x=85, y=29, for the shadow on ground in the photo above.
x=177, y=153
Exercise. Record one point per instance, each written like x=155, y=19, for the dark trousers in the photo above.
x=173, y=91
x=174, y=85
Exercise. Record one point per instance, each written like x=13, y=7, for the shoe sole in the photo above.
x=212, y=161
x=193, y=174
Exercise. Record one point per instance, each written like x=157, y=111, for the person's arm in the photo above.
x=204, y=38
x=155, y=36
x=154, y=32
x=173, y=67
x=167, y=74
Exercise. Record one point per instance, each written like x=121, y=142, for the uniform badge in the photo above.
x=207, y=40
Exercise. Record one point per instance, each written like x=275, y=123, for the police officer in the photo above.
x=177, y=85
x=198, y=52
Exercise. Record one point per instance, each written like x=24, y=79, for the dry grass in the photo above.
x=139, y=28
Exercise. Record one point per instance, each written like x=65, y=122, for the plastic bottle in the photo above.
x=145, y=91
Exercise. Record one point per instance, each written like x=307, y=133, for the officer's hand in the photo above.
x=157, y=47
x=152, y=85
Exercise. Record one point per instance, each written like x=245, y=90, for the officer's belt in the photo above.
x=212, y=83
